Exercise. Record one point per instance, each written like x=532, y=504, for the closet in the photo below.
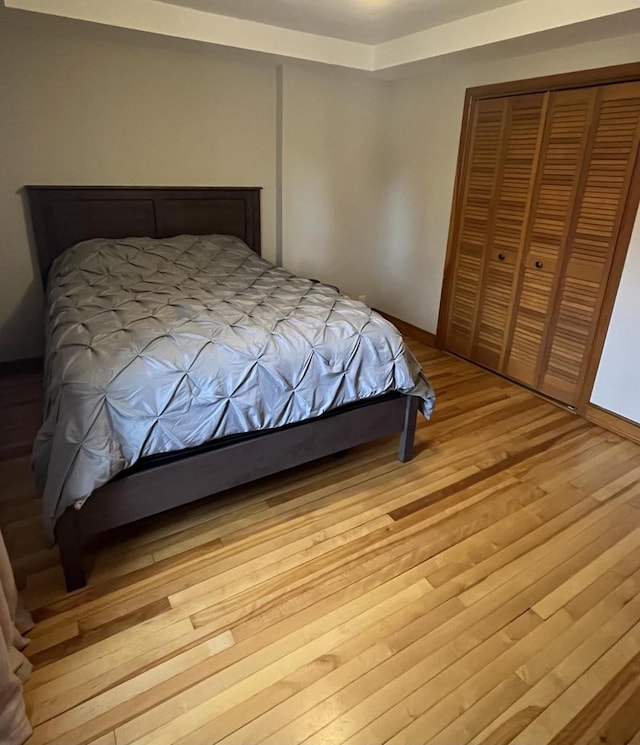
x=545, y=182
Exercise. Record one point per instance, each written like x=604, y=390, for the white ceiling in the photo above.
x=405, y=28
x=368, y=21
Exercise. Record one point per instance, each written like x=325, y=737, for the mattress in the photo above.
x=154, y=346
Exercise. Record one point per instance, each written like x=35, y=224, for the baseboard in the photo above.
x=21, y=367
x=613, y=422
x=408, y=329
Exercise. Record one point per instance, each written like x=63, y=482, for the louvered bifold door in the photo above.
x=562, y=154
x=602, y=195
x=521, y=140
x=471, y=241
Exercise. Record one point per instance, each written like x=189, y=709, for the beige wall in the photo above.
x=333, y=175
x=86, y=104
x=83, y=106
x=617, y=385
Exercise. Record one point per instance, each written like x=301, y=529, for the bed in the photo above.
x=180, y=364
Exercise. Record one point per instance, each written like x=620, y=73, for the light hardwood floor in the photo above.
x=486, y=592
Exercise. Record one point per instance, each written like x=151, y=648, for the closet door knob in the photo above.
x=539, y=265
x=501, y=257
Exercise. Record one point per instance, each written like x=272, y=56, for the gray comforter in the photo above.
x=154, y=346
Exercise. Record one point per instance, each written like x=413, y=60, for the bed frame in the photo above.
x=64, y=215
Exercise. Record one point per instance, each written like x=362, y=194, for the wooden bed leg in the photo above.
x=409, y=430
x=70, y=546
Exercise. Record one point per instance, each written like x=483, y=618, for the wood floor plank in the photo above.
x=454, y=630
x=447, y=696
x=621, y=724
x=387, y=635
x=54, y=703
x=75, y=725
x=569, y=589
x=488, y=591
x=108, y=653
x=251, y=674
x=108, y=739
x=558, y=715
x=507, y=602
x=252, y=719
x=553, y=674
x=621, y=692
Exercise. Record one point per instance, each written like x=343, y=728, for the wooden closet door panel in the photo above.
x=475, y=219
x=561, y=160
x=593, y=236
x=514, y=190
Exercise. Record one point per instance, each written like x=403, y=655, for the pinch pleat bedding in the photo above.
x=156, y=345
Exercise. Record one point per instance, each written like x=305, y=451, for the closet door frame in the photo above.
x=564, y=81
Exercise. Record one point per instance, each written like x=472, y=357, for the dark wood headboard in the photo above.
x=65, y=215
